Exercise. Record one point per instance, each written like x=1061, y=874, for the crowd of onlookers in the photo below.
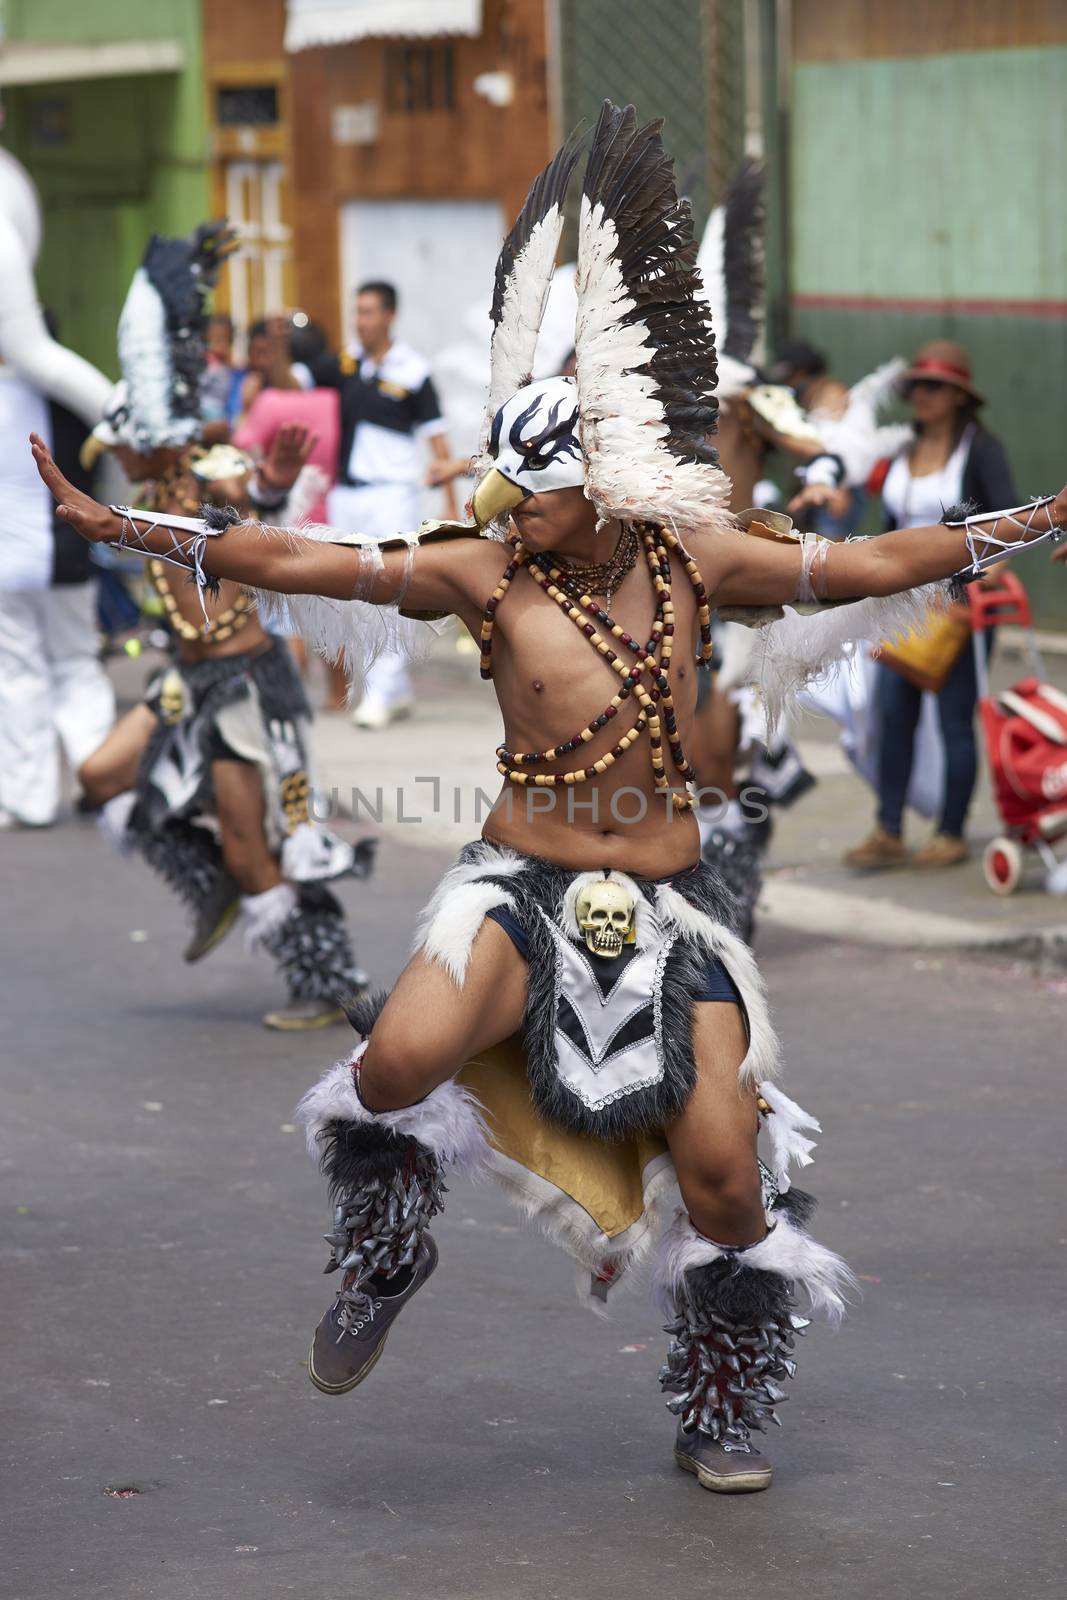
x=379, y=439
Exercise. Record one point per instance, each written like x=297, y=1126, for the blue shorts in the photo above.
x=716, y=983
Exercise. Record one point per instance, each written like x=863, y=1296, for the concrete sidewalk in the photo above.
x=429, y=781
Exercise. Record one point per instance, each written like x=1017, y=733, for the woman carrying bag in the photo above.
x=951, y=459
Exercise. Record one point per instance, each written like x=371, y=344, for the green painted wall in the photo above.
x=934, y=175
x=114, y=159
x=940, y=178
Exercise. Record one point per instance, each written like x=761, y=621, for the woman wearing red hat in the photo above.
x=951, y=459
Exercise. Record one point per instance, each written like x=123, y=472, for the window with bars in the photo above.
x=420, y=77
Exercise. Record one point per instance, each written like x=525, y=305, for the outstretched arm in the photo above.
x=743, y=570
x=279, y=559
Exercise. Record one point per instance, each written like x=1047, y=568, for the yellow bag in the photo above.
x=926, y=656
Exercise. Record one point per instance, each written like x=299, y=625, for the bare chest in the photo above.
x=550, y=676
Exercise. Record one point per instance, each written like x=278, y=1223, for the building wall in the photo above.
x=926, y=149
x=114, y=159
x=469, y=151
x=465, y=149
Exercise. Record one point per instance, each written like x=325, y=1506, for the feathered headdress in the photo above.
x=644, y=398
x=730, y=262
x=161, y=343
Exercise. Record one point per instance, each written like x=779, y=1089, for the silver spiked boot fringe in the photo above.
x=387, y=1189
x=185, y=856
x=312, y=948
x=385, y=1172
x=725, y=1375
x=734, y=1320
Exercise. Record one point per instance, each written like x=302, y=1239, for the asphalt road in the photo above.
x=160, y=1277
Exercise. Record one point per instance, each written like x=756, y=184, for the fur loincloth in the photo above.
x=609, y=1054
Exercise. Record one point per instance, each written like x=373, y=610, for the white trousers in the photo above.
x=379, y=509
x=53, y=692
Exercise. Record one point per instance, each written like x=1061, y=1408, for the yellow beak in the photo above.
x=494, y=495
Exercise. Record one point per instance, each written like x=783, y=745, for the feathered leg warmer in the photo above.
x=303, y=927
x=385, y=1171
x=186, y=857
x=734, y=1320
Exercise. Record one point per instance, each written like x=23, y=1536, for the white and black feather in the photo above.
x=161, y=339
x=644, y=347
x=523, y=278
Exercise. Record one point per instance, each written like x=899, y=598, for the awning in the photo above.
x=319, y=22
x=24, y=62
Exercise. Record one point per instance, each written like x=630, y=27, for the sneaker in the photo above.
x=215, y=918
x=298, y=1016
x=723, y=1468
x=373, y=715
x=351, y=1336
x=880, y=849
x=941, y=851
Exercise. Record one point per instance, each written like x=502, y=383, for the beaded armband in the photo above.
x=188, y=539
x=993, y=547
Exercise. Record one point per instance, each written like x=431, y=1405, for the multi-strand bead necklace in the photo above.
x=648, y=679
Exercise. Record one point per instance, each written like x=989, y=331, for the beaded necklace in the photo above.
x=220, y=628
x=653, y=660
x=160, y=495
x=606, y=576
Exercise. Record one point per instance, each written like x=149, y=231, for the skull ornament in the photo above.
x=172, y=698
x=605, y=913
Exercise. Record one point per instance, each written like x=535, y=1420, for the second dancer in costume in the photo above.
x=208, y=778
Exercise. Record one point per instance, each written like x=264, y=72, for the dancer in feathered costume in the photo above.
x=208, y=777
x=583, y=919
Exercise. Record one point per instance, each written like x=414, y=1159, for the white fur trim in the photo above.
x=783, y=1127
x=787, y=1250
x=264, y=914
x=448, y=1122
x=113, y=820
x=646, y=923
x=824, y=1277
x=449, y=925
x=449, y=937
x=561, y=1219
x=763, y=1056
x=680, y=1248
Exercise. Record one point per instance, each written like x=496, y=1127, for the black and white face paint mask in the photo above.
x=535, y=447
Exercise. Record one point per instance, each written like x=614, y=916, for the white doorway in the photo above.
x=440, y=254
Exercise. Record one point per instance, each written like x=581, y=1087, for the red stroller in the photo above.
x=1025, y=732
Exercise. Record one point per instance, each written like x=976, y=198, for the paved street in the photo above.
x=160, y=1277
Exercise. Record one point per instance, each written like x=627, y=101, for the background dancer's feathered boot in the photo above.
x=733, y=1323
x=303, y=927
x=385, y=1172
x=189, y=861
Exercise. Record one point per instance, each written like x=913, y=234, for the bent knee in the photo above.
x=98, y=781
x=730, y=1189
x=397, y=1070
